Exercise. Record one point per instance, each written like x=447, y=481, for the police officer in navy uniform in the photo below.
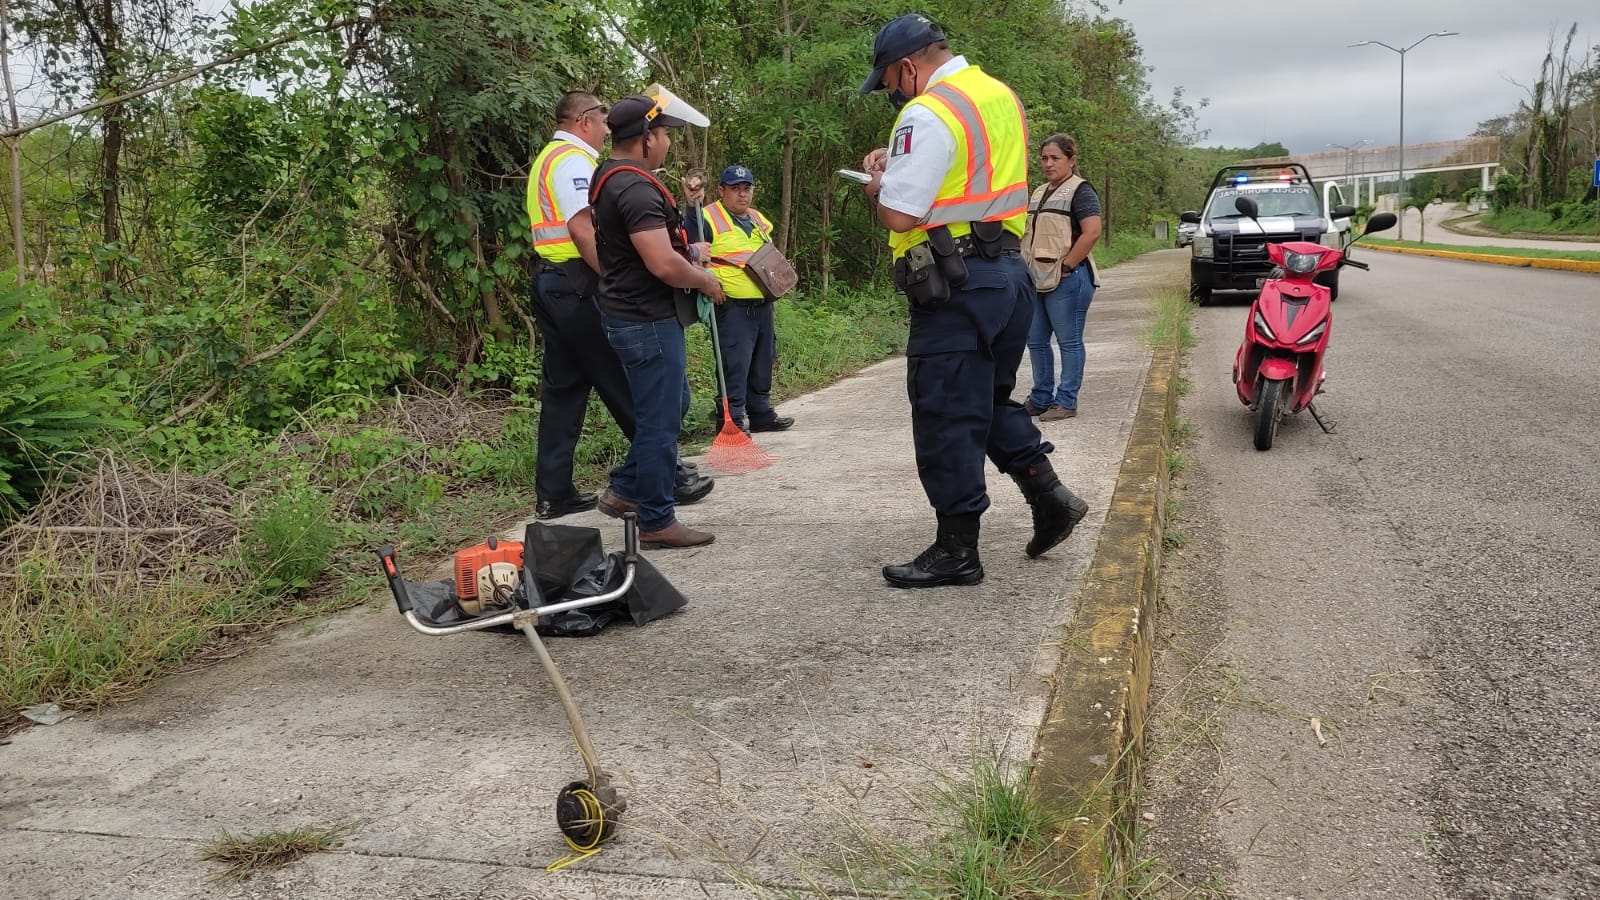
x=577, y=356
x=952, y=188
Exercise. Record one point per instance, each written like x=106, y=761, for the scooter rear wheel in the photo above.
x=1269, y=410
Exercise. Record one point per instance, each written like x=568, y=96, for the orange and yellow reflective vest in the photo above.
x=989, y=180
x=551, y=239
x=731, y=249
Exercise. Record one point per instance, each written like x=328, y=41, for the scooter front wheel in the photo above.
x=1269, y=410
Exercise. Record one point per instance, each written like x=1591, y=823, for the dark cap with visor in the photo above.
x=897, y=40
x=635, y=114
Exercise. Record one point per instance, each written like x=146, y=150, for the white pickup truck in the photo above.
x=1229, y=251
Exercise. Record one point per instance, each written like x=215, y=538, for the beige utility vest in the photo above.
x=1049, y=235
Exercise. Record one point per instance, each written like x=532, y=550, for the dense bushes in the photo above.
x=54, y=393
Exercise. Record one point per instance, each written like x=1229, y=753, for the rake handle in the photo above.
x=716, y=352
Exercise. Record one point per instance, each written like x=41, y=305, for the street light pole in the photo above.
x=1349, y=165
x=1400, y=180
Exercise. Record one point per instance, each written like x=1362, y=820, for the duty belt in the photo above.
x=967, y=246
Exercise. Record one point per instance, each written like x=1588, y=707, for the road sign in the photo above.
x=1597, y=173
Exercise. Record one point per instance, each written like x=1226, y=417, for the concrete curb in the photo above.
x=1092, y=741
x=1521, y=262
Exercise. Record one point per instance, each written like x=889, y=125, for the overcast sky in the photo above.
x=1282, y=71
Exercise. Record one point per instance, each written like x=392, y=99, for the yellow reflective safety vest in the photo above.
x=731, y=249
x=551, y=239
x=989, y=179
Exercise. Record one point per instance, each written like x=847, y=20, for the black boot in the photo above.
x=1056, y=510
x=953, y=558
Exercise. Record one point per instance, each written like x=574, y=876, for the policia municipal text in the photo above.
x=952, y=188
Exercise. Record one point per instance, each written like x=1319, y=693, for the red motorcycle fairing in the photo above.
x=1276, y=368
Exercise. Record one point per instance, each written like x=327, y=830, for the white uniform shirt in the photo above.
x=920, y=154
x=571, y=175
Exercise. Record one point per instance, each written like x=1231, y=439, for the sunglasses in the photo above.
x=600, y=108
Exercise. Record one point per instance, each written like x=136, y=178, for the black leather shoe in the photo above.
x=1056, y=509
x=555, y=509
x=776, y=423
x=692, y=490
x=951, y=560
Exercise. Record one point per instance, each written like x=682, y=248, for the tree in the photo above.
x=101, y=48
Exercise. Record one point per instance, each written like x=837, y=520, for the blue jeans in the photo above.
x=657, y=365
x=1060, y=312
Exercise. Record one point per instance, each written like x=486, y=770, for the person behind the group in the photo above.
x=644, y=258
x=694, y=204
x=577, y=357
x=745, y=327
x=955, y=232
x=1063, y=226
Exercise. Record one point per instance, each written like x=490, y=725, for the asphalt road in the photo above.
x=1423, y=583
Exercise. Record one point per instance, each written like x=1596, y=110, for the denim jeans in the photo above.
x=657, y=365
x=1060, y=312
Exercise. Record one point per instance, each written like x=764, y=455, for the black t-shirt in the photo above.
x=627, y=204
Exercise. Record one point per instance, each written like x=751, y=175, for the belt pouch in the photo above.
x=987, y=235
x=925, y=283
x=950, y=261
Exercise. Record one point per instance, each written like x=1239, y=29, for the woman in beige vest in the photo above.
x=1063, y=225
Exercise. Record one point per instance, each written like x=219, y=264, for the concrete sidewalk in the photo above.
x=795, y=702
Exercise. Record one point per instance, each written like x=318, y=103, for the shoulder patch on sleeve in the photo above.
x=901, y=144
x=581, y=184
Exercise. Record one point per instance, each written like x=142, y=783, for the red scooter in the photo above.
x=1278, y=369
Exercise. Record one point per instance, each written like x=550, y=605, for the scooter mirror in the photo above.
x=1381, y=222
x=1246, y=206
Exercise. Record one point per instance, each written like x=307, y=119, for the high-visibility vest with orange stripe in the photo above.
x=989, y=180
x=731, y=249
x=551, y=239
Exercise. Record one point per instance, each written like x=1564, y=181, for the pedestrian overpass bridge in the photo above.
x=1370, y=165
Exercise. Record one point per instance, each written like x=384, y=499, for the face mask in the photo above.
x=899, y=97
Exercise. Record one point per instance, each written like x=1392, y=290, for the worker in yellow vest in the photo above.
x=952, y=188
x=745, y=328
x=578, y=357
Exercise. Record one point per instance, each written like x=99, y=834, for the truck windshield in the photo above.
x=1289, y=200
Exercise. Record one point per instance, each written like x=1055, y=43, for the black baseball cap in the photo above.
x=635, y=114
x=897, y=40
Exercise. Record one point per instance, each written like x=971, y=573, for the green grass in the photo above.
x=1586, y=255
x=1125, y=247
x=1534, y=221
x=993, y=844
x=1172, y=325
x=246, y=855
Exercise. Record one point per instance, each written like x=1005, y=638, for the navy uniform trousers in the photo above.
x=749, y=351
x=961, y=366
x=577, y=359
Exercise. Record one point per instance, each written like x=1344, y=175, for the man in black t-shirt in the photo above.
x=645, y=260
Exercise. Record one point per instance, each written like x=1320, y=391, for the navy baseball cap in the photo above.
x=737, y=174
x=897, y=40
x=635, y=114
